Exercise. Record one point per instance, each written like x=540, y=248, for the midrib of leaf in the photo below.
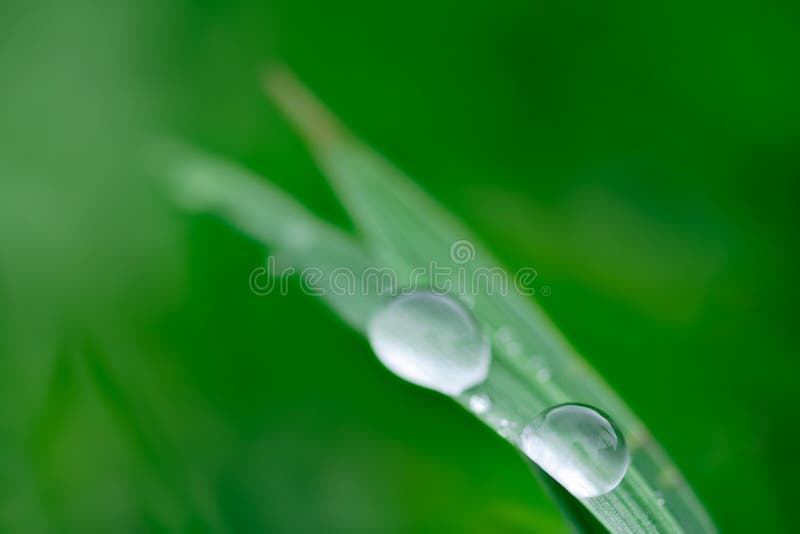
x=402, y=227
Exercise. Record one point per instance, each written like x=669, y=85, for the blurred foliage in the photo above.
x=642, y=157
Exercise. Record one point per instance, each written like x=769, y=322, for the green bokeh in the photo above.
x=643, y=157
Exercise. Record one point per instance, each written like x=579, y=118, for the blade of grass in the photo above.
x=297, y=237
x=406, y=227
x=509, y=383
x=159, y=456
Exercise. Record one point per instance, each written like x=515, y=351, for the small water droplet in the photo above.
x=543, y=375
x=580, y=447
x=432, y=341
x=536, y=362
x=480, y=403
x=506, y=340
x=513, y=348
x=504, y=333
x=506, y=428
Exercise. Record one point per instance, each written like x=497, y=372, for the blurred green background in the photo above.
x=644, y=157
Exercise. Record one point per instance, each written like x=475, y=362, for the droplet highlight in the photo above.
x=430, y=340
x=579, y=446
x=480, y=403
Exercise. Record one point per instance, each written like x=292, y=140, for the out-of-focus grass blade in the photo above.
x=297, y=237
x=405, y=227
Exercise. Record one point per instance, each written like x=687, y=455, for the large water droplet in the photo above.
x=432, y=341
x=579, y=446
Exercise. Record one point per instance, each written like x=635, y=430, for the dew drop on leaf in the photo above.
x=430, y=340
x=480, y=403
x=579, y=446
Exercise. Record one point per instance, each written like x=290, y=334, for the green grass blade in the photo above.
x=405, y=227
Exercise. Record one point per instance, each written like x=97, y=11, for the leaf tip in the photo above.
x=301, y=107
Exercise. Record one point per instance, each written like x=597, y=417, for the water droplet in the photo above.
x=507, y=342
x=480, y=403
x=580, y=447
x=543, y=375
x=506, y=428
x=537, y=362
x=504, y=334
x=432, y=341
x=513, y=348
